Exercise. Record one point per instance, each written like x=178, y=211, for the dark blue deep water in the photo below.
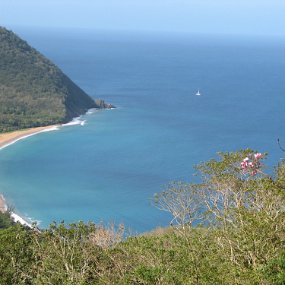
x=110, y=168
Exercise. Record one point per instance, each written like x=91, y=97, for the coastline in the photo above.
x=7, y=139
x=14, y=216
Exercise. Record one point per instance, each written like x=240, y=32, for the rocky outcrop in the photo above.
x=102, y=105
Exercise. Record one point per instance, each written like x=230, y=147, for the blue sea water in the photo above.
x=109, y=169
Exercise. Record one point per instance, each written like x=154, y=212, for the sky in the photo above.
x=248, y=17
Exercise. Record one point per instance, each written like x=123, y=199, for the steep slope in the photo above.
x=33, y=90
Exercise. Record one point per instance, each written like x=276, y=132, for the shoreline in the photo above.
x=10, y=138
x=7, y=139
x=16, y=218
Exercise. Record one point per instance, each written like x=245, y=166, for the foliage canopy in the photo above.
x=227, y=229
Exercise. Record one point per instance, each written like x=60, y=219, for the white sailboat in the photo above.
x=198, y=93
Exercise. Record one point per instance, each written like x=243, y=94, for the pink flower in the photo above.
x=243, y=165
x=251, y=164
x=258, y=155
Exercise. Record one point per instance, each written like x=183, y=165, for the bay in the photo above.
x=109, y=169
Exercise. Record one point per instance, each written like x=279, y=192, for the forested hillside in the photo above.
x=34, y=91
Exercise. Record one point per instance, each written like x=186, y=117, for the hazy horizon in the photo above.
x=259, y=18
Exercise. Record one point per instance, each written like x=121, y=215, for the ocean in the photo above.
x=109, y=169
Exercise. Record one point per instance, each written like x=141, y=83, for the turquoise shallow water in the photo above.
x=110, y=168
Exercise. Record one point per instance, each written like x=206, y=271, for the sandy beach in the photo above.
x=7, y=139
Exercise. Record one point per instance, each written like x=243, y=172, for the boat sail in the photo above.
x=198, y=93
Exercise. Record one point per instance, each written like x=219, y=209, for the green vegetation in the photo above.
x=5, y=220
x=33, y=91
x=227, y=229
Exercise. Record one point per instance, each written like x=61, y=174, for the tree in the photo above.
x=242, y=205
x=16, y=256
